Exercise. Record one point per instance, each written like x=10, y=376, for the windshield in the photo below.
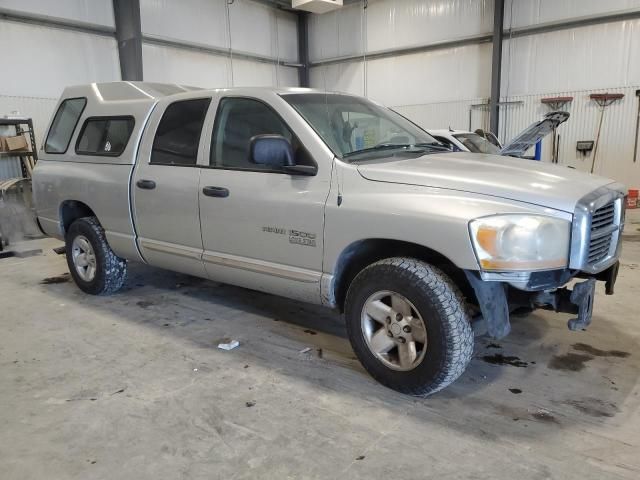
x=477, y=144
x=353, y=125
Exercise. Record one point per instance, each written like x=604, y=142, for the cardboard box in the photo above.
x=16, y=143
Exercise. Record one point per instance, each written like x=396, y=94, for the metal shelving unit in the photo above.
x=16, y=207
x=23, y=126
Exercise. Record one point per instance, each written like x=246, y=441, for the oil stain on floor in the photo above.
x=65, y=277
x=575, y=362
x=499, y=359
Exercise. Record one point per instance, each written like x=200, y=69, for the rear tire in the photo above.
x=407, y=296
x=93, y=265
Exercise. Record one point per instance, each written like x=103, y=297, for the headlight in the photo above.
x=520, y=242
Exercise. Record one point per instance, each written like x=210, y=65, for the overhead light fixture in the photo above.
x=316, y=6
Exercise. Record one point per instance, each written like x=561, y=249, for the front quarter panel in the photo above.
x=432, y=217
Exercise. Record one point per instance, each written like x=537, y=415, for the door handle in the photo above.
x=216, y=192
x=146, y=184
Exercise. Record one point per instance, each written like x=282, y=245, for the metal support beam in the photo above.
x=52, y=22
x=129, y=36
x=458, y=42
x=496, y=66
x=578, y=22
x=303, y=49
x=224, y=52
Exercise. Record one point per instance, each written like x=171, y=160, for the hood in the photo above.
x=533, y=134
x=543, y=184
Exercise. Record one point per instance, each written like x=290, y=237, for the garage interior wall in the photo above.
x=244, y=26
x=40, y=59
x=438, y=87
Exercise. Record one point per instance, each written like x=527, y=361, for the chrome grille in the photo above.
x=596, y=227
x=603, y=217
x=601, y=233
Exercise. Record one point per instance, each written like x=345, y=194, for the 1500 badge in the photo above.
x=296, y=237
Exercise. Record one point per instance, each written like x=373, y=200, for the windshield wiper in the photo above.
x=410, y=147
x=379, y=147
x=439, y=147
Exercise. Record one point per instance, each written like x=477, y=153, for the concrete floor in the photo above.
x=132, y=386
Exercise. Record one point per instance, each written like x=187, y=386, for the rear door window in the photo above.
x=105, y=136
x=63, y=125
x=178, y=135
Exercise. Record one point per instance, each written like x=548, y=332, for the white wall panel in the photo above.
x=336, y=34
x=90, y=11
x=533, y=12
x=261, y=29
x=438, y=116
x=196, y=21
x=50, y=59
x=392, y=24
x=173, y=65
x=256, y=74
x=255, y=28
x=343, y=77
x=431, y=77
x=406, y=23
x=199, y=69
x=288, y=77
x=597, y=56
x=39, y=109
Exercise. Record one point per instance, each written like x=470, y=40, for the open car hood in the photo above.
x=533, y=134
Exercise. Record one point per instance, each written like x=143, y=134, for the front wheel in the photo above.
x=93, y=265
x=408, y=325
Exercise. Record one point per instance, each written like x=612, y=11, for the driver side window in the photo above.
x=237, y=121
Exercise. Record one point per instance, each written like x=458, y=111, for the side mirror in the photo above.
x=272, y=150
x=276, y=151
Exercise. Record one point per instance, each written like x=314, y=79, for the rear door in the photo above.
x=165, y=186
x=261, y=228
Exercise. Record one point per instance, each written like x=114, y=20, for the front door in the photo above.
x=261, y=228
x=165, y=187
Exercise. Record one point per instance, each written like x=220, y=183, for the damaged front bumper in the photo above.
x=497, y=299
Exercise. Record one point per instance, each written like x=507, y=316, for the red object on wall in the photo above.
x=632, y=199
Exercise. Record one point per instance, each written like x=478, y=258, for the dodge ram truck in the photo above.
x=327, y=198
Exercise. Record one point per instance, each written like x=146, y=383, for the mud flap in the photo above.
x=582, y=296
x=492, y=298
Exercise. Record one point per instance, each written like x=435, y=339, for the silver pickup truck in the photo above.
x=327, y=198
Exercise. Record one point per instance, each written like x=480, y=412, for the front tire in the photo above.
x=408, y=325
x=93, y=265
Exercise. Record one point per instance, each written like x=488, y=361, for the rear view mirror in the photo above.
x=271, y=150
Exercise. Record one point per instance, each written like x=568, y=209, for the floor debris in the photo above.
x=229, y=346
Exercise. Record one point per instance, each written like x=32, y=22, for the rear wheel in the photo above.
x=408, y=325
x=93, y=265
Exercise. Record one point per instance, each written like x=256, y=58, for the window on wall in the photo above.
x=105, y=136
x=63, y=125
x=237, y=121
x=178, y=135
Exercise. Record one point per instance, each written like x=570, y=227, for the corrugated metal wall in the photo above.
x=437, y=88
x=615, y=151
x=39, y=61
x=252, y=27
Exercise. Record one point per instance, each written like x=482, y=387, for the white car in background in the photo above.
x=486, y=142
